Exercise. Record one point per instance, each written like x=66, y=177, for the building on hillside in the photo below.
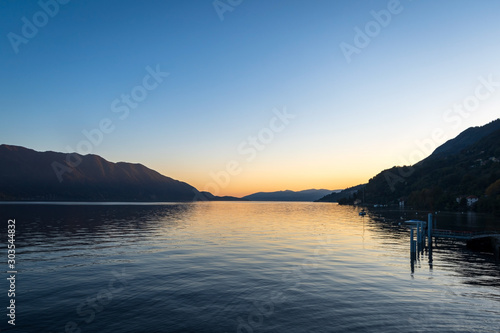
x=471, y=200
x=494, y=159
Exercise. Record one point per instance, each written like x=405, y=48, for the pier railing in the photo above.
x=427, y=231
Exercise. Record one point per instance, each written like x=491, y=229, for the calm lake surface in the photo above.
x=242, y=267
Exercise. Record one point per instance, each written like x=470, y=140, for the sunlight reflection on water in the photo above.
x=228, y=267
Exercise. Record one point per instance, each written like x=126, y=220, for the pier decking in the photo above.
x=483, y=240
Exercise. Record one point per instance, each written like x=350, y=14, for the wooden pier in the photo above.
x=488, y=241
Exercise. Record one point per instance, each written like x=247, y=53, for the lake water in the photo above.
x=242, y=267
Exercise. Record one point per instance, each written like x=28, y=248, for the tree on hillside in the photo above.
x=493, y=189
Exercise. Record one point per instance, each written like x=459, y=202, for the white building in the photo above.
x=472, y=199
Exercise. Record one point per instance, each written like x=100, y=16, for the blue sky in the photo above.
x=351, y=119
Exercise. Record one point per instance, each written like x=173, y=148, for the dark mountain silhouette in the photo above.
x=339, y=195
x=207, y=196
x=306, y=195
x=468, y=165
x=26, y=174
x=465, y=139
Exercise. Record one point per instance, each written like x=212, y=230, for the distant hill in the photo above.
x=26, y=174
x=336, y=196
x=468, y=165
x=207, y=196
x=306, y=195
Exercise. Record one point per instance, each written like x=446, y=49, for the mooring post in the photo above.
x=422, y=229
x=430, y=256
x=412, y=243
x=419, y=236
x=418, y=233
x=424, y=235
x=429, y=228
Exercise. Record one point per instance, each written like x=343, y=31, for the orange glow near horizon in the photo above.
x=267, y=175
x=253, y=182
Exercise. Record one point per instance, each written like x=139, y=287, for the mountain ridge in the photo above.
x=27, y=175
x=466, y=138
x=288, y=195
x=343, y=194
x=467, y=166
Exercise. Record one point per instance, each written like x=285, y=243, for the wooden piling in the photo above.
x=429, y=228
x=419, y=237
x=413, y=247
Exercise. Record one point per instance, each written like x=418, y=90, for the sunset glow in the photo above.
x=298, y=95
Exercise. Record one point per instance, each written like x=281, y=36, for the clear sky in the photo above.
x=262, y=95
